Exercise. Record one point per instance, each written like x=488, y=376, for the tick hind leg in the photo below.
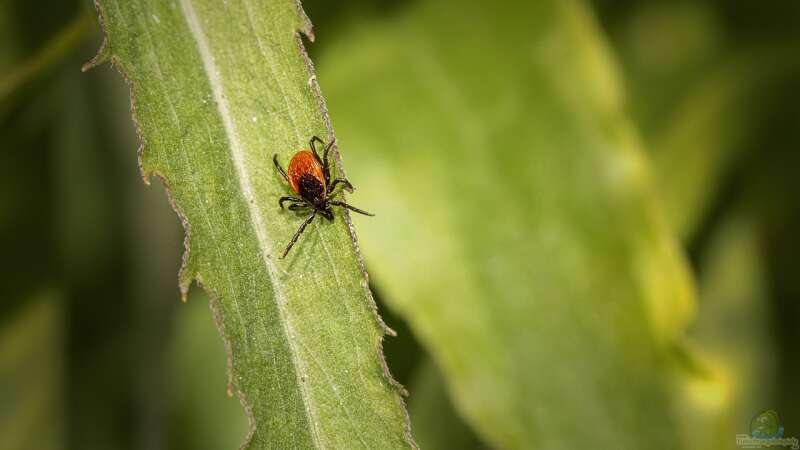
x=351, y=208
x=299, y=232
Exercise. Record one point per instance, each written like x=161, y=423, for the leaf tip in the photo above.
x=306, y=27
x=103, y=54
x=101, y=57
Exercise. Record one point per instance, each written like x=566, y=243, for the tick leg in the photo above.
x=299, y=232
x=289, y=199
x=351, y=208
x=298, y=206
x=347, y=186
x=280, y=169
x=324, y=159
x=325, y=168
x=314, y=147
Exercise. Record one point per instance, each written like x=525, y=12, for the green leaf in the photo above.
x=518, y=232
x=217, y=89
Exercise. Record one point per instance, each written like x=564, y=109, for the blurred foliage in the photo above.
x=32, y=370
x=710, y=87
x=733, y=323
x=518, y=236
x=209, y=418
x=698, y=123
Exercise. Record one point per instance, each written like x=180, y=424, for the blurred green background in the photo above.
x=97, y=352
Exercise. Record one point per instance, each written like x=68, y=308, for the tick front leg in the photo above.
x=351, y=208
x=280, y=169
x=324, y=160
x=325, y=166
x=314, y=147
x=289, y=199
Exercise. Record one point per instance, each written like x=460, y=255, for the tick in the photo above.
x=309, y=176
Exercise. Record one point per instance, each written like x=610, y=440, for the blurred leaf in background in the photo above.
x=518, y=232
x=32, y=374
x=699, y=96
x=420, y=115
x=74, y=214
x=208, y=417
x=714, y=89
x=733, y=323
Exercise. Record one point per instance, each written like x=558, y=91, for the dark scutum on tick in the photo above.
x=310, y=188
x=309, y=176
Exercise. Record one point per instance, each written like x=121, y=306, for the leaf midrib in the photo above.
x=237, y=155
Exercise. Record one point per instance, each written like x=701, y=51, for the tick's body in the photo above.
x=309, y=177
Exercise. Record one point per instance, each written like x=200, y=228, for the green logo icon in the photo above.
x=766, y=431
x=766, y=425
